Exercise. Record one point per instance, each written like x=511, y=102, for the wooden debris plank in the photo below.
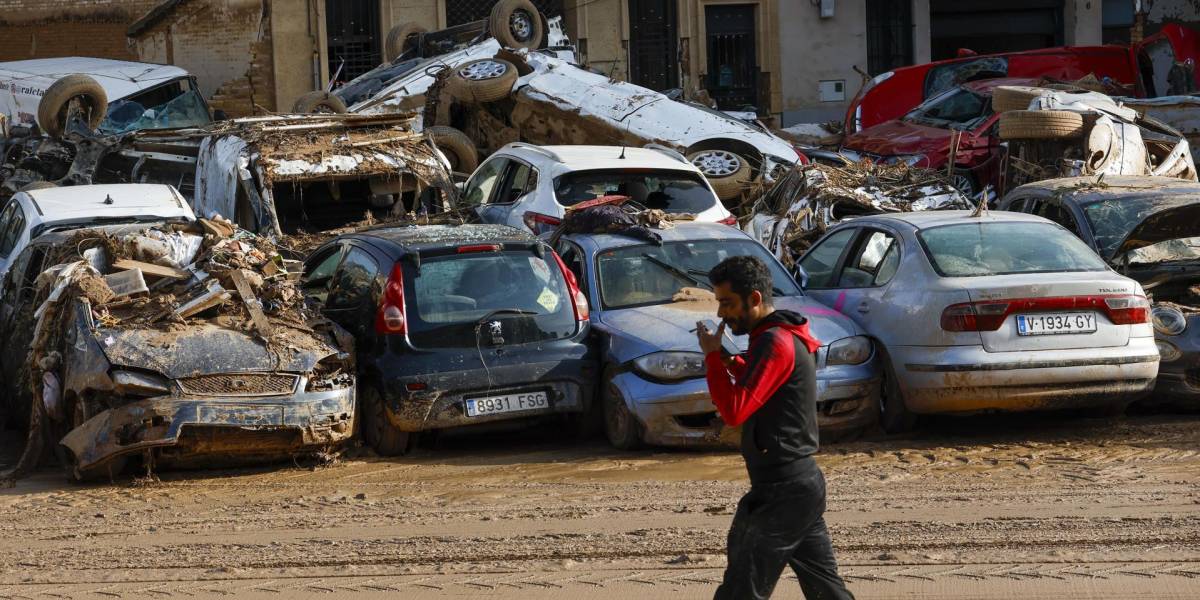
x=151, y=269
x=251, y=301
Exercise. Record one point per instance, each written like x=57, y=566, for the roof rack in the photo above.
x=540, y=150
x=667, y=151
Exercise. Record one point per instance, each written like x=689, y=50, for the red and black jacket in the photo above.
x=771, y=391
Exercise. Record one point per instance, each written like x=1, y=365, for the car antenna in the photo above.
x=622, y=156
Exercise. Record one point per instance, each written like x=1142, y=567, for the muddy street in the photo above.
x=979, y=508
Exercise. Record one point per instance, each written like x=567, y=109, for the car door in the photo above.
x=318, y=272
x=823, y=261
x=353, y=293
x=508, y=203
x=481, y=187
x=870, y=264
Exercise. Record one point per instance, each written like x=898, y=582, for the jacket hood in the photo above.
x=791, y=322
x=205, y=349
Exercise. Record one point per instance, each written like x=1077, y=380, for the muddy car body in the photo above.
x=1143, y=70
x=456, y=326
x=993, y=312
x=1147, y=228
x=653, y=388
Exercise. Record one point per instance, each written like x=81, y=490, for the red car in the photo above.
x=924, y=137
x=1143, y=70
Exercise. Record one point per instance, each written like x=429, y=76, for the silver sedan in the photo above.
x=1000, y=312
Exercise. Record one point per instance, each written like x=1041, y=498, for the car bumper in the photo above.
x=967, y=379
x=682, y=414
x=200, y=426
x=1179, y=380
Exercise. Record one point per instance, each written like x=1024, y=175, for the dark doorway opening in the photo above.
x=889, y=35
x=653, y=44
x=987, y=26
x=352, y=28
x=732, y=55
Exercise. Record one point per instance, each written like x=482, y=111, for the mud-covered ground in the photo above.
x=989, y=508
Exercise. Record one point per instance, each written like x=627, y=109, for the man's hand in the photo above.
x=709, y=341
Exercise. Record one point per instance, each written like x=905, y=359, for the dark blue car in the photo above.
x=455, y=326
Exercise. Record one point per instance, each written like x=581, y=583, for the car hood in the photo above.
x=896, y=138
x=639, y=331
x=1172, y=223
x=205, y=349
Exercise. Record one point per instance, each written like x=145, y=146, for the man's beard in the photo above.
x=738, y=327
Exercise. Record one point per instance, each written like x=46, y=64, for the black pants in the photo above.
x=780, y=524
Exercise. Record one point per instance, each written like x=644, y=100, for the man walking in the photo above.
x=771, y=392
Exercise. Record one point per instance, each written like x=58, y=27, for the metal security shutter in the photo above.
x=465, y=11
x=889, y=35
x=987, y=26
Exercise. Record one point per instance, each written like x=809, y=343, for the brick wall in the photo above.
x=49, y=28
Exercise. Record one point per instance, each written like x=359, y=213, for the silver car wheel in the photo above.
x=717, y=163
x=521, y=25
x=482, y=70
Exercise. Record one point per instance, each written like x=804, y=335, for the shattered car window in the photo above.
x=990, y=248
x=1113, y=219
x=368, y=84
x=452, y=295
x=646, y=275
x=182, y=111
x=944, y=77
x=956, y=109
x=671, y=191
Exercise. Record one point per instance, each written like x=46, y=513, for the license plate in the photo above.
x=506, y=403
x=1056, y=323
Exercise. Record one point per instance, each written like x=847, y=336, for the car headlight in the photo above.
x=1168, y=320
x=849, y=351
x=1167, y=351
x=671, y=366
x=135, y=383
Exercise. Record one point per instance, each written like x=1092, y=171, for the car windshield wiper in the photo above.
x=505, y=311
x=775, y=290
x=670, y=268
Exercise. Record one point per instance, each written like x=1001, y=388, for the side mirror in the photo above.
x=801, y=276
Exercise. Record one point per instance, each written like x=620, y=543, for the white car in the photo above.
x=127, y=95
x=999, y=312
x=31, y=213
x=527, y=186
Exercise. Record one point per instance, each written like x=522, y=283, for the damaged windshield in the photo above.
x=646, y=275
x=671, y=191
x=368, y=84
x=956, y=109
x=1113, y=219
x=176, y=105
x=990, y=248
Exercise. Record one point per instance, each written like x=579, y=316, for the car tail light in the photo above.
x=730, y=221
x=390, y=318
x=577, y=295
x=990, y=315
x=534, y=221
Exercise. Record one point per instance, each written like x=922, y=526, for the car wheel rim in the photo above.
x=963, y=183
x=521, y=25
x=717, y=163
x=482, y=70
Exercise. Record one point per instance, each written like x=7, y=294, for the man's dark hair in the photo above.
x=744, y=274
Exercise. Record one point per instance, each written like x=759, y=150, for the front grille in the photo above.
x=239, y=384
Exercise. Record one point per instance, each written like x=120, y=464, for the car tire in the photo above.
x=52, y=110
x=378, y=431
x=1106, y=411
x=621, y=426
x=482, y=81
x=516, y=24
x=894, y=416
x=318, y=103
x=1014, y=97
x=727, y=172
x=38, y=185
x=398, y=41
x=1040, y=125
x=458, y=148
x=963, y=182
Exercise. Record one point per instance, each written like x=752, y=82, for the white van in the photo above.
x=121, y=96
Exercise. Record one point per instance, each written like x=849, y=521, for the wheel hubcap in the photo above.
x=717, y=163
x=484, y=69
x=963, y=183
x=521, y=25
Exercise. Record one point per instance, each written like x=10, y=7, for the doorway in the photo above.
x=353, y=33
x=732, y=55
x=653, y=44
x=986, y=26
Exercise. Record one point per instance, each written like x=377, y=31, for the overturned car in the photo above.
x=182, y=343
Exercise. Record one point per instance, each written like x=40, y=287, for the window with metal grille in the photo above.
x=465, y=11
x=889, y=35
x=352, y=28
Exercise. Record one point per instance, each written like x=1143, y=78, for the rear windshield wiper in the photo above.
x=676, y=270
x=506, y=311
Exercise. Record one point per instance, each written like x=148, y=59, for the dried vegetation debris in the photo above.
x=794, y=212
